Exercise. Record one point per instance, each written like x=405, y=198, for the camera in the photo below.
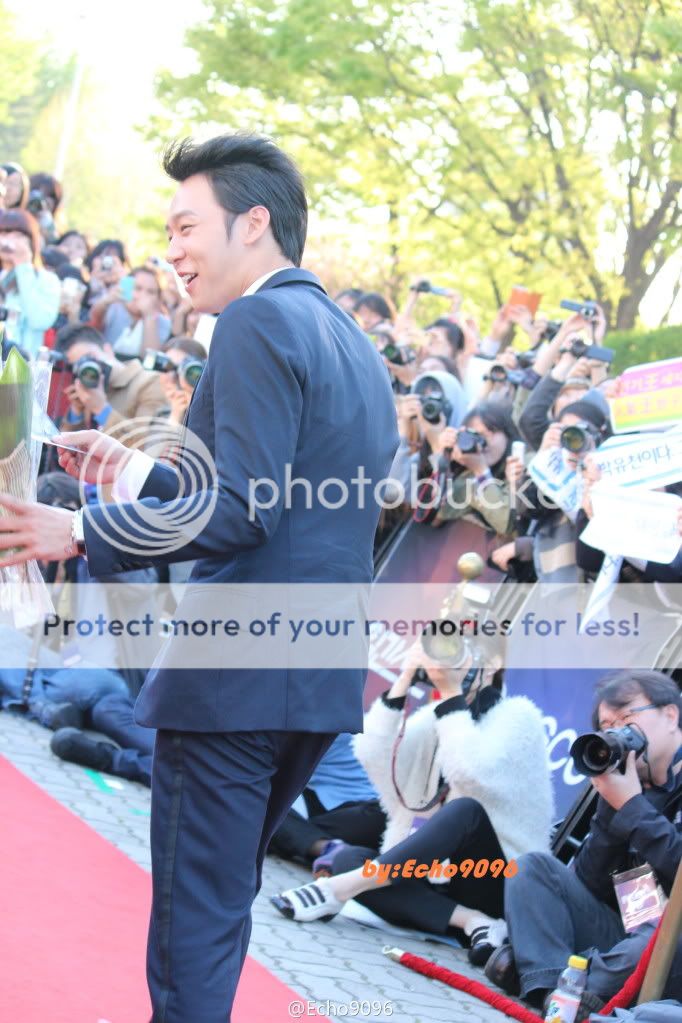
x=604, y=752
x=499, y=375
x=107, y=263
x=434, y=406
x=579, y=348
x=551, y=330
x=588, y=310
x=91, y=372
x=427, y=287
x=470, y=442
x=37, y=203
x=398, y=356
x=579, y=438
x=442, y=641
x=189, y=371
x=525, y=359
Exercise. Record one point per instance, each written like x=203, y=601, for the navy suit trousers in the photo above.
x=217, y=798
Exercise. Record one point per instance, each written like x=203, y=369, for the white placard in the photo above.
x=639, y=524
x=556, y=480
x=647, y=460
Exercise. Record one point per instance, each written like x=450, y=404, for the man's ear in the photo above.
x=672, y=712
x=257, y=223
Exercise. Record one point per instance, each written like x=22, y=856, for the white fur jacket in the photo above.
x=499, y=760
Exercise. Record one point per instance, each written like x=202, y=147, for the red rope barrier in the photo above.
x=622, y=999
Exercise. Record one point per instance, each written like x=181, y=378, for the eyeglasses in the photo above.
x=628, y=712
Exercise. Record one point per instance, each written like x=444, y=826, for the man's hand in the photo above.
x=617, y=789
x=33, y=531
x=76, y=404
x=514, y=470
x=102, y=458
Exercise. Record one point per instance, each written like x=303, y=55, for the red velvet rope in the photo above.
x=622, y=999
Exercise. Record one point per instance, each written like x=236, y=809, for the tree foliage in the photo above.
x=509, y=140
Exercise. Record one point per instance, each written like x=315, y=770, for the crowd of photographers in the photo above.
x=465, y=777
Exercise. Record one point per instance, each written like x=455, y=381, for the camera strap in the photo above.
x=443, y=789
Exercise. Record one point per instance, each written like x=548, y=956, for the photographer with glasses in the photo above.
x=554, y=911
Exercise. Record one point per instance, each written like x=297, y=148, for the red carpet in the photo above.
x=74, y=922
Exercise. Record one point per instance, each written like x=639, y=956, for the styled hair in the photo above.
x=49, y=186
x=76, y=333
x=187, y=345
x=454, y=334
x=24, y=222
x=247, y=170
x=619, y=687
x=377, y=303
x=16, y=168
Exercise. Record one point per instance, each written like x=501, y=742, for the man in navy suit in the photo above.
x=293, y=387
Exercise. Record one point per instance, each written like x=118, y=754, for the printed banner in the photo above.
x=649, y=396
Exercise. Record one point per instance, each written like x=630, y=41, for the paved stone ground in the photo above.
x=339, y=962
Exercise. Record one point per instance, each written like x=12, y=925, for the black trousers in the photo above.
x=360, y=823
x=217, y=798
x=460, y=830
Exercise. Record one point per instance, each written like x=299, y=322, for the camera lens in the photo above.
x=89, y=376
x=575, y=439
x=190, y=371
x=441, y=642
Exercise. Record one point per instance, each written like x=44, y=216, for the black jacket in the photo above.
x=647, y=829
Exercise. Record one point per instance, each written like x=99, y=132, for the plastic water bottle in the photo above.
x=563, y=1005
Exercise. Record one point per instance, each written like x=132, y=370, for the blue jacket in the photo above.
x=290, y=380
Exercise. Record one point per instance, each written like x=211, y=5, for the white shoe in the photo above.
x=314, y=901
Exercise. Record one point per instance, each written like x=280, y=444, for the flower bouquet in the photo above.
x=24, y=598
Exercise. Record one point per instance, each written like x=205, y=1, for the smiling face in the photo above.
x=215, y=268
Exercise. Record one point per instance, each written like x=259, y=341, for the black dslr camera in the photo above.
x=604, y=752
x=579, y=348
x=470, y=442
x=91, y=372
x=579, y=438
x=588, y=310
x=189, y=371
x=499, y=375
x=37, y=203
x=434, y=406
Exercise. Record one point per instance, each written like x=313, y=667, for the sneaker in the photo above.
x=322, y=866
x=314, y=901
x=484, y=940
x=76, y=747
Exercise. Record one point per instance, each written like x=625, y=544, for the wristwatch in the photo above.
x=78, y=534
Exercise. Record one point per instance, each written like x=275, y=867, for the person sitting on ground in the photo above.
x=553, y=910
x=341, y=809
x=468, y=779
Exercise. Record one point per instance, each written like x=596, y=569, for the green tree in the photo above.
x=517, y=140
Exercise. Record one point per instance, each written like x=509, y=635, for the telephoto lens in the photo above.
x=604, y=752
x=89, y=372
x=576, y=439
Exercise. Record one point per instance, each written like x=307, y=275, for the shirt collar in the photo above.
x=252, y=288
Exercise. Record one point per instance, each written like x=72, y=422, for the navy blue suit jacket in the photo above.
x=290, y=379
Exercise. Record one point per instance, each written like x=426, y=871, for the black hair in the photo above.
x=354, y=293
x=75, y=333
x=67, y=269
x=619, y=687
x=377, y=303
x=187, y=345
x=74, y=234
x=49, y=186
x=108, y=245
x=454, y=334
x=496, y=416
x=248, y=170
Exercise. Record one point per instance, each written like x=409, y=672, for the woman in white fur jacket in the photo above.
x=470, y=781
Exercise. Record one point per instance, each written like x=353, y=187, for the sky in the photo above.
x=124, y=43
